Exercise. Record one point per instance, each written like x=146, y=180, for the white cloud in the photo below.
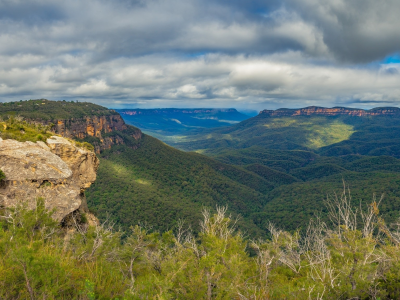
x=201, y=53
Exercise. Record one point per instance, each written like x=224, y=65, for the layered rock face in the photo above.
x=90, y=126
x=94, y=126
x=56, y=171
x=335, y=111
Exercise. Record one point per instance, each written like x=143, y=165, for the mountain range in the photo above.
x=141, y=179
x=276, y=167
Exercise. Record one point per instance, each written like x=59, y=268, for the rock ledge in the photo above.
x=57, y=171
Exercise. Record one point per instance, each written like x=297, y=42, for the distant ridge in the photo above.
x=156, y=111
x=168, y=124
x=335, y=111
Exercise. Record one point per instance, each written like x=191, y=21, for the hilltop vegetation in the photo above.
x=43, y=109
x=18, y=129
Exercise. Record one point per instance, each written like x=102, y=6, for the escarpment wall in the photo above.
x=335, y=111
x=57, y=171
x=89, y=126
x=94, y=126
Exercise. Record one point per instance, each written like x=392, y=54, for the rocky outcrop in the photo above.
x=57, y=171
x=90, y=126
x=82, y=163
x=94, y=126
x=335, y=111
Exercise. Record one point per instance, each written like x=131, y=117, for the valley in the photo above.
x=278, y=167
x=141, y=179
x=129, y=215
x=172, y=125
x=199, y=150
x=307, y=154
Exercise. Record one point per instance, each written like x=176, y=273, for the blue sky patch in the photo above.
x=393, y=59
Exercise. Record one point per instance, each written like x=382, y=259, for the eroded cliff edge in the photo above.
x=57, y=171
x=82, y=121
x=335, y=111
x=99, y=128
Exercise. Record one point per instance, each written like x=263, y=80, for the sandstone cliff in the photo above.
x=98, y=125
x=95, y=126
x=56, y=171
x=335, y=111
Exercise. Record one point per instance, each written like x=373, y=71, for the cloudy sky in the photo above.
x=202, y=53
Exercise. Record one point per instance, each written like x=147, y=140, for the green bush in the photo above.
x=343, y=260
x=84, y=145
x=18, y=129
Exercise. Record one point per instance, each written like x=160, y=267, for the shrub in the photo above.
x=18, y=129
x=354, y=257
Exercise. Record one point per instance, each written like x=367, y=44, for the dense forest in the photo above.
x=311, y=156
x=158, y=185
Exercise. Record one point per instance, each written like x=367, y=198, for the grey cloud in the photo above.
x=31, y=12
x=392, y=71
x=357, y=30
x=113, y=29
x=192, y=52
x=213, y=80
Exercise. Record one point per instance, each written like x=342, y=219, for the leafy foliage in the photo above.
x=274, y=176
x=346, y=259
x=39, y=260
x=14, y=127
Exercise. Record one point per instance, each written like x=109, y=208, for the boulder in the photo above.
x=83, y=163
x=57, y=171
